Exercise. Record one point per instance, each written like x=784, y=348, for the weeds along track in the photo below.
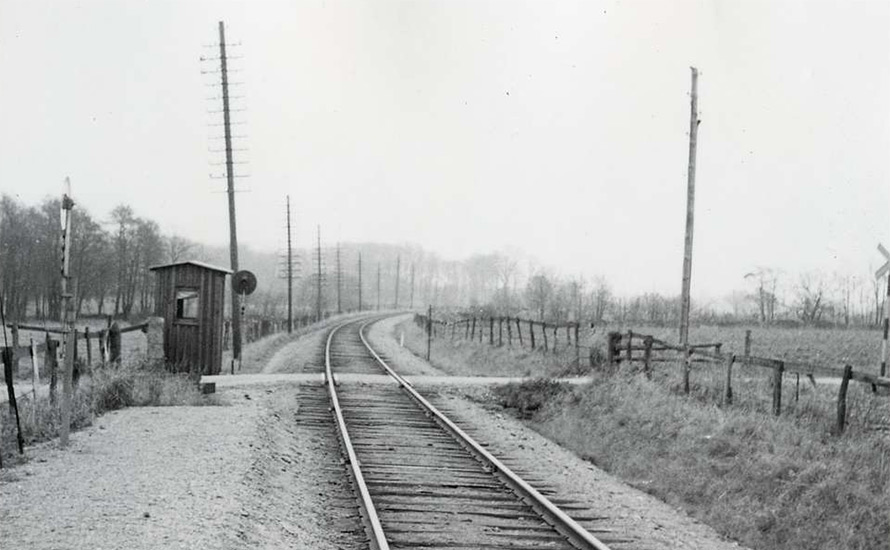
x=422, y=482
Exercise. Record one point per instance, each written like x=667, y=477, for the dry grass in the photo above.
x=464, y=358
x=832, y=347
x=768, y=482
x=133, y=384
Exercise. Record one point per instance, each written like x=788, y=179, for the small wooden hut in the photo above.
x=190, y=297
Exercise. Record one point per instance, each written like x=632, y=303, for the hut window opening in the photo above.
x=187, y=304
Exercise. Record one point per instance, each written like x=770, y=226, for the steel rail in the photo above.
x=376, y=536
x=559, y=520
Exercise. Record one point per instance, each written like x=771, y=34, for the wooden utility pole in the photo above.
x=429, y=333
x=690, y=212
x=67, y=314
x=398, y=269
x=378, y=285
x=318, y=297
x=412, y=287
x=230, y=181
x=339, y=282
x=290, y=275
x=359, y=281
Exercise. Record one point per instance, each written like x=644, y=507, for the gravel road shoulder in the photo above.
x=243, y=475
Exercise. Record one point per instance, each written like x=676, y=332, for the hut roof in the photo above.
x=192, y=262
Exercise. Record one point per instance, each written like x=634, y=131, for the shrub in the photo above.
x=112, y=390
x=528, y=397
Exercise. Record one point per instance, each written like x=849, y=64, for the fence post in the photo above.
x=647, y=356
x=103, y=353
x=8, y=356
x=577, y=346
x=429, y=333
x=778, y=371
x=500, y=331
x=35, y=374
x=630, y=339
x=797, y=388
x=531, y=331
x=519, y=331
x=842, y=399
x=687, y=367
x=555, y=333
x=86, y=338
x=51, y=363
x=114, y=342
x=613, y=341
x=473, y=331
x=544, y=332
x=727, y=385
x=747, y=344
x=491, y=331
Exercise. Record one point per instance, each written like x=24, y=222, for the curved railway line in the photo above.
x=422, y=481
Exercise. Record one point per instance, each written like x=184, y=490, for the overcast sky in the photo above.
x=559, y=128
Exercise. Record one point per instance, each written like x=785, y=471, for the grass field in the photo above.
x=858, y=347
x=770, y=482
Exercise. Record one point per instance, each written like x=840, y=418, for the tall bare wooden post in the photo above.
x=290, y=274
x=690, y=214
x=429, y=333
x=411, y=303
x=398, y=269
x=67, y=314
x=318, y=289
x=230, y=183
x=359, y=281
x=339, y=282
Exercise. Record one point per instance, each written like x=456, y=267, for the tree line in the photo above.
x=109, y=260
x=111, y=257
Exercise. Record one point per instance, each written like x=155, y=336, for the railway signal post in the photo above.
x=67, y=313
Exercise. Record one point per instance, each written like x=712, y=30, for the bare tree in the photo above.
x=765, y=297
x=600, y=298
x=179, y=248
x=506, y=268
x=810, y=303
x=538, y=293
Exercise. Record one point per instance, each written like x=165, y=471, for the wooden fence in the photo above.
x=107, y=342
x=252, y=329
x=630, y=346
x=497, y=331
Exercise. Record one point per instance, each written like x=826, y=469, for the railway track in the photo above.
x=420, y=480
